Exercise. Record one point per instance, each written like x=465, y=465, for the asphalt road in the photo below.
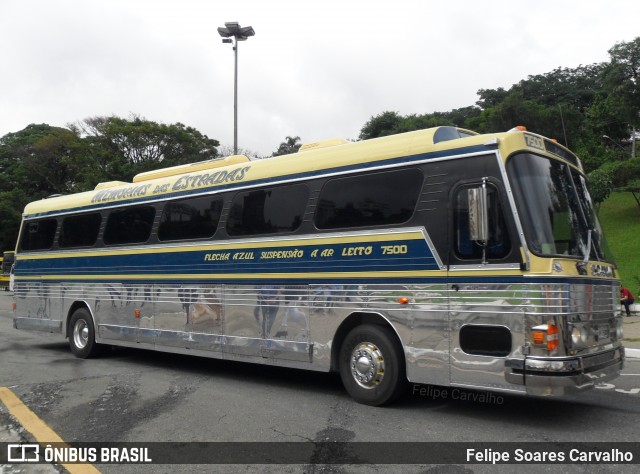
x=143, y=396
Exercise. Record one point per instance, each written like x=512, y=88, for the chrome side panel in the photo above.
x=423, y=326
x=485, y=304
x=114, y=310
x=188, y=317
x=40, y=307
x=267, y=321
x=295, y=325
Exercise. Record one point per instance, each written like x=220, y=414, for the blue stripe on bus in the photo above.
x=413, y=255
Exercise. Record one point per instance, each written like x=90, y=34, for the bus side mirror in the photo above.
x=478, y=214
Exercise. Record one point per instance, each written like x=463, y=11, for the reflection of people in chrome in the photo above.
x=267, y=305
x=207, y=310
x=326, y=297
x=294, y=314
x=187, y=297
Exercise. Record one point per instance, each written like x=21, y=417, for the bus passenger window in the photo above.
x=80, y=231
x=369, y=200
x=195, y=218
x=268, y=211
x=38, y=235
x=499, y=245
x=129, y=226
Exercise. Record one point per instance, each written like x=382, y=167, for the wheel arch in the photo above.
x=354, y=320
x=76, y=305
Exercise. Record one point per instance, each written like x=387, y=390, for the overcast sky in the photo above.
x=315, y=68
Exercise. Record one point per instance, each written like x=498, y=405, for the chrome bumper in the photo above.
x=564, y=375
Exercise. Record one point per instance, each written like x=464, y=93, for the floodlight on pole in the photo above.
x=230, y=32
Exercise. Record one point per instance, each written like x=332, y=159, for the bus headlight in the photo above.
x=579, y=335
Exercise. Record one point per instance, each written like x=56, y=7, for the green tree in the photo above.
x=491, y=97
x=390, y=123
x=35, y=162
x=613, y=119
x=381, y=125
x=623, y=80
x=288, y=146
x=42, y=160
x=575, y=87
x=563, y=97
x=516, y=110
x=600, y=184
x=122, y=148
x=12, y=203
x=460, y=117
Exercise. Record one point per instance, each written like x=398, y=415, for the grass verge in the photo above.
x=620, y=219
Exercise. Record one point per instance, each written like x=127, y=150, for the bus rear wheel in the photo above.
x=82, y=335
x=372, y=365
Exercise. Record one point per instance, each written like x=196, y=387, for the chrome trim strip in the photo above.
x=38, y=324
x=485, y=267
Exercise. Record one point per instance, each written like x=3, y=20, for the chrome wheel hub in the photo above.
x=80, y=334
x=367, y=365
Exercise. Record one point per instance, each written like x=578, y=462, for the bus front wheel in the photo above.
x=82, y=335
x=372, y=365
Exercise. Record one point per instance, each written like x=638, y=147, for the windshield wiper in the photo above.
x=582, y=266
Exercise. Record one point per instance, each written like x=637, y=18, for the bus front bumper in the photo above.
x=564, y=375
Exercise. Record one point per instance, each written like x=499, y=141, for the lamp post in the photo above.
x=230, y=32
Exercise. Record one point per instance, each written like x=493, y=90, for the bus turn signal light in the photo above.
x=538, y=337
x=552, y=337
x=137, y=313
x=546, y=334
x=403, y=300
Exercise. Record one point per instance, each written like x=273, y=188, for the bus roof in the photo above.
x=312, y=160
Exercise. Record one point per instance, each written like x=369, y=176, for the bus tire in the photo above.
x=82, y=335
x=372, y=365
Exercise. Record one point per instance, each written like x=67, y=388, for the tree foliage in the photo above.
x=42, y=160
x=288, y=146
x=622, y=79
x=390, y=123
x=121, y=148
x=35, y=162
x=600, y=184
x=593, y=110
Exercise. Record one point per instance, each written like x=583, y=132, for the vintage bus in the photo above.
x=438, y=256
x=6, y=262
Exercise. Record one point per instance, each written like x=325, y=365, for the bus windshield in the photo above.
x=557, y=213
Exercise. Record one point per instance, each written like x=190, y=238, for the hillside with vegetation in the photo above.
x=620, y=218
